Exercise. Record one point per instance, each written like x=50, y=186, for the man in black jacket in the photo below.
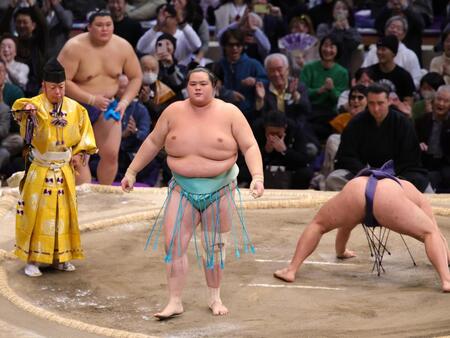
x=375, y=136
x=433, y=131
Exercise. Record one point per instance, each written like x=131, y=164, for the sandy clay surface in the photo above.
x=120, y=285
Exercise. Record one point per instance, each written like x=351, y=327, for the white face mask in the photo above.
x=149, y=78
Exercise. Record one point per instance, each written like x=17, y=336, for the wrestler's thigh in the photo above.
x=394, y=210
x=107, y=134
x=346, y=209
x=226, y=210
x=183, y=215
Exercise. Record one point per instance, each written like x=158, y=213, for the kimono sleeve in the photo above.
x=21, y=118
x=87, y=139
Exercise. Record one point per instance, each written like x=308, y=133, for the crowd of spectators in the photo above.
x=318, y=112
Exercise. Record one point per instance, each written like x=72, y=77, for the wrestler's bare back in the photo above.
x=201, y=142
x=95, y=69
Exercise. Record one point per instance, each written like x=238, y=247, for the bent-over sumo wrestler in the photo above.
x=379, y=199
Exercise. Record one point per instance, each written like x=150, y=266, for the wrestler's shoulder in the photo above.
x=119, y=41
x=176, y=106
x=179, y=104
x=226, y=107
x=76, y=41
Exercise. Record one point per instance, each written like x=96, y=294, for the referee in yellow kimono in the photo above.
x=57, y=128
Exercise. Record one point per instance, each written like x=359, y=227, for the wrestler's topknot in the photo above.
x=97, y=12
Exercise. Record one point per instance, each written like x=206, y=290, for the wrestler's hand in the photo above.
x=257, y=186
x=128, y=181
x=101, y=102
x=121, y=106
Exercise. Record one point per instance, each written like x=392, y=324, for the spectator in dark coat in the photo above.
x=59, y=22
x=433, y=131
x=375, y=136
x=283, y=149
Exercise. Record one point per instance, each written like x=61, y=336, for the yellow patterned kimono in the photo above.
x=46, y=220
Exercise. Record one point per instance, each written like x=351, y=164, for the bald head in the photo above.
x=149, y=64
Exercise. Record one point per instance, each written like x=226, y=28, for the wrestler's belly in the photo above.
x=198, y=166
x=104, y=85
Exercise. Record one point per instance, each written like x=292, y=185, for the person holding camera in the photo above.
x=170, y=72
x=173, y=23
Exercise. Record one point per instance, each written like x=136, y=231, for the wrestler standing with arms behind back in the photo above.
x=93, y=62
x=202, y=136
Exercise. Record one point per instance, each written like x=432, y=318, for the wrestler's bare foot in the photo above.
x=446, y=286
x=217, y=308
x=285, y=274
x=173, y=308
x=346, y=254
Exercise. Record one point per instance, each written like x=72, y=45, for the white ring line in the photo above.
x=305, y=262
x=293, y=286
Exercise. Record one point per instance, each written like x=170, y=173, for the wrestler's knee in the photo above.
x=110, y=155
x=215, y=253
x=319, y=226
